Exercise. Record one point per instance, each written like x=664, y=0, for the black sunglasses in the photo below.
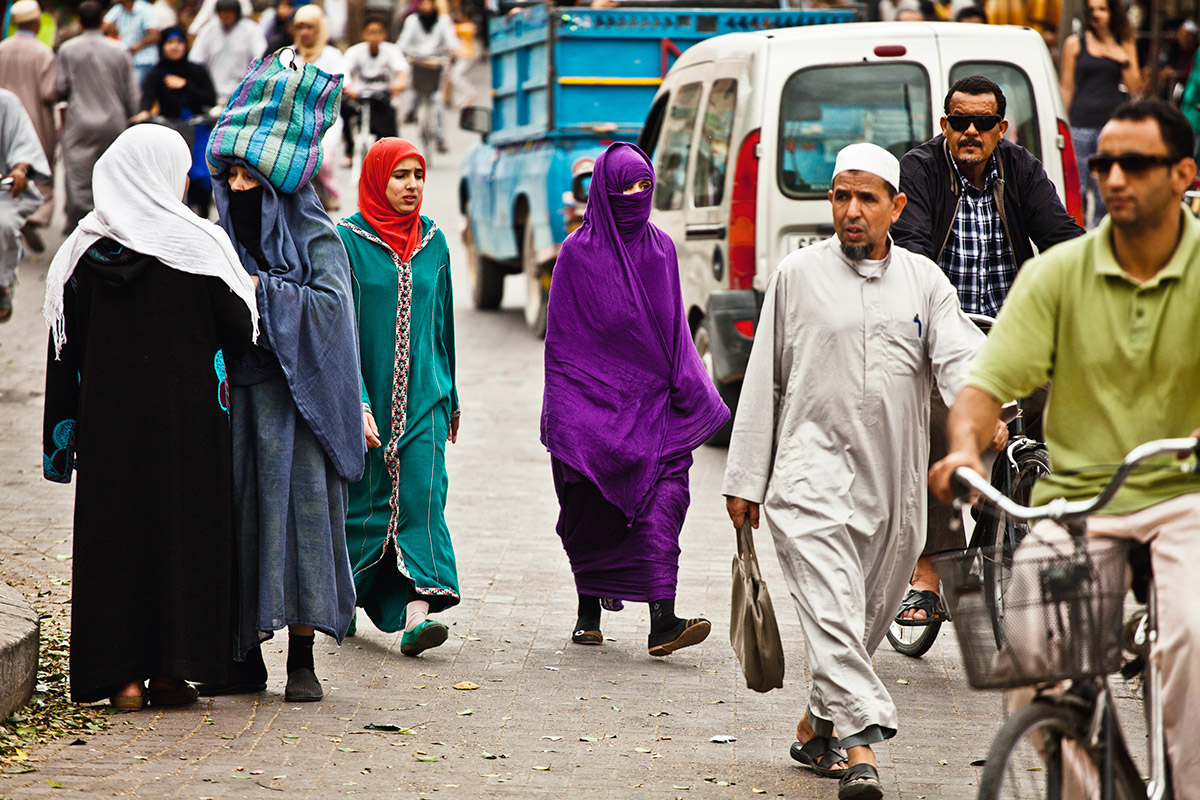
x=1102, y=163
x=982, y=122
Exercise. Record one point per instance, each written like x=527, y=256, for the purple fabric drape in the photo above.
x=625, y=390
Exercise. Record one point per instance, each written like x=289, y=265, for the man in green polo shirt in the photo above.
x=1114, y=318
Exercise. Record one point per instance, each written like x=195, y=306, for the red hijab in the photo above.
x=402, y=232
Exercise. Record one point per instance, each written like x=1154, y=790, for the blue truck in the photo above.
x=565, y=84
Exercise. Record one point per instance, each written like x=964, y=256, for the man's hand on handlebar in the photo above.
x=739, y=508
x=940, y=474
x=1000, y=437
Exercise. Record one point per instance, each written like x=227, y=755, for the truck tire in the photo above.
x=729, y=392
x=536, y=293
x=487, y=277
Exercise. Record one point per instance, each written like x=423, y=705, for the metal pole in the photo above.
x=1155, y=47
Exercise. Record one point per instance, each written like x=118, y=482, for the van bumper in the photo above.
x=732, y=314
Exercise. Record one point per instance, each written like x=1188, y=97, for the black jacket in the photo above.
x=1029, y=206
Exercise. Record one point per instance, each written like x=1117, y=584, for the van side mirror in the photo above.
x=579, y=186
x=477, y=119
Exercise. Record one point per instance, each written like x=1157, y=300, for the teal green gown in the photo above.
x=396, y=526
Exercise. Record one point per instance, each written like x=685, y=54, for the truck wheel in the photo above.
x=487, y=277
x=536, y=285
x=729, y=392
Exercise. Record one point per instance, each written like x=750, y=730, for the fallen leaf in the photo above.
x=903, y=682
x=660, y=714
x=641, y=750
x=487, y=755
x=605, y=697
x=427, y=759
x=278, y=777
x=552, y=669
x=588, y=739
x=542, y=769
x=552, y=738
x=387, y=726
x=347, y=749
x=466, y=712
x=758, y=791
x=614, y=708
x=227, y=737
x=681, y=788
x=54, y=784
x=256, y=772
x=290, y=736
x=428, y=674
x=979, y=762
x=723, y=739
x=466, y=686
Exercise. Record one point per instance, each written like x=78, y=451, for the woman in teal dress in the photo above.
x=396, y=530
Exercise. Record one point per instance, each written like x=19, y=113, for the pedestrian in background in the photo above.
x=376, y=72
x=404, y=565
x=135, y=25
x=1099, y=71
x=627, y=400
x=297, y=420
x=311, y=29
x=275, y=24
x=21, y=163
x=96, y=78
x=831, y=441
x=180, y=91
x=429, y=42
x=145, y=301
x=27, y=70
x=226, y=46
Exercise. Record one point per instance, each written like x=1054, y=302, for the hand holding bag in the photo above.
x=753, y=631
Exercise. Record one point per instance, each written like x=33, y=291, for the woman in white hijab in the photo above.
x=144, y=300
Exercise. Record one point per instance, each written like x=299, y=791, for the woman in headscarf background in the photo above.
x=627, y=400
x=404, y=566
x=311, y=29
x=179, y=90
x=297, y=417
x=145, y=302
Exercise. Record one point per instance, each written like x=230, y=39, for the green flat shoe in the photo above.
x=429, y=633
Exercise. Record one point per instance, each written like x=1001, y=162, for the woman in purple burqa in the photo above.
x=627, y=400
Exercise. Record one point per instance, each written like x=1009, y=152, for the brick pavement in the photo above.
x=561, y=720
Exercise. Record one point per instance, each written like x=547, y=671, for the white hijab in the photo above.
x=138, y=185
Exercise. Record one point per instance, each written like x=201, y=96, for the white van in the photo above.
x=745, y=128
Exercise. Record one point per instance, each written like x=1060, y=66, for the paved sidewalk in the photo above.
x=549, y=719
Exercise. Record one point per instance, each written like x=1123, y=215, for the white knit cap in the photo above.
x=24, y=11
x=867, y=157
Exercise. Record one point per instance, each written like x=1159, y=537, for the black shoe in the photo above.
x=233, y=687
x=33, y=238
x=687, y=633
x=249, y=677
x=303, y=687
x=6, y=294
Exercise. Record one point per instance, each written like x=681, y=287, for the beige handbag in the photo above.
x=753, y=631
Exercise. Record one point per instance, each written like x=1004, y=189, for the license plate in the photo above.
x=797, y=240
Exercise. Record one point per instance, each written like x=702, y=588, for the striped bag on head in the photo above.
x=275, y=119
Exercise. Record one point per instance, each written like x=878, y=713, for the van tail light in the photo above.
x=743, y=214
x=1070, y=175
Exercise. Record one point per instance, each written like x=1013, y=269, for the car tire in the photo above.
x=487, y=276
x=729, y=392
x=537, y=293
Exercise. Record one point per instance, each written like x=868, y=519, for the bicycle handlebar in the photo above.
x=1060, y=508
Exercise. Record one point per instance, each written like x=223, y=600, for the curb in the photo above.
x=18, y=650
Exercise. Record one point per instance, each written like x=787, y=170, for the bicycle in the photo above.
x=364, y=137
x=426, y=83
x=1014, y=473
x=1077, y=589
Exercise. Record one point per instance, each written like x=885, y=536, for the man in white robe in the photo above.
x=22, y=162
x=831, y=439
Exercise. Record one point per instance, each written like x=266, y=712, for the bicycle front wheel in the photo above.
x=1042, y=752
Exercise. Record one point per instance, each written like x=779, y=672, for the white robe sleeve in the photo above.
x=752, y=445
x=953, y=339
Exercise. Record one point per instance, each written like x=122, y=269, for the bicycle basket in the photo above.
x=425, y=80
x=1056, y=613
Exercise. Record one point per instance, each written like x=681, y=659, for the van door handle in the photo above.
x=705, y=232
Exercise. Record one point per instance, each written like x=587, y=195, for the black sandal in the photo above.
x=587, y=637
x=687, y=633
x=861, y=782
x=923, y=600
x=821, y=754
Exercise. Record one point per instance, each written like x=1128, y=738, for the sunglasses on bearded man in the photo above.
x=982, y=122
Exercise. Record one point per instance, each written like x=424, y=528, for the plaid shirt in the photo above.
x=977, y=257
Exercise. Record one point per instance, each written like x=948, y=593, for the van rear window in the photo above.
x=826, y=108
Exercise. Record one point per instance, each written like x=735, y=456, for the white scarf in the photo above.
x=138, y=185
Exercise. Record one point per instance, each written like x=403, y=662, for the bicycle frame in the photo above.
x=1073, y=515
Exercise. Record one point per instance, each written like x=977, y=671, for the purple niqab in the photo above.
x=625, y=390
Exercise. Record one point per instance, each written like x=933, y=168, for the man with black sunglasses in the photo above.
x=1113, y=317
x=977, y=206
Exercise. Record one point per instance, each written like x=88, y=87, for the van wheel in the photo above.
x=487, y=277
x=537, y=285
x=729, y=392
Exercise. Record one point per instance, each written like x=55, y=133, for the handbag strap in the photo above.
x=745, y=539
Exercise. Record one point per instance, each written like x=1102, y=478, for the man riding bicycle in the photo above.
x=1112, y=316
x=978, y=204
x=428, y=37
